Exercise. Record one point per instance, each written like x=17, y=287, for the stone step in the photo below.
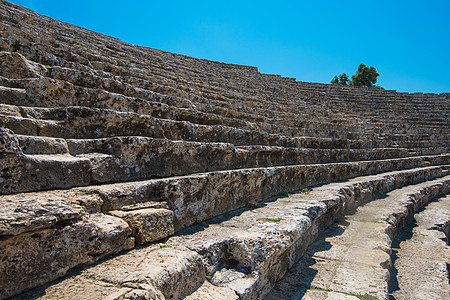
x=64, y=76
x=83, y=122
x=122, y=46
x=249, y=247
x=131, y=158
x=80, y=162
x=24, y=172
x=122, y=98
x=202, y=196
x=59, y=71
x=45, y=234
x=352, y=257
x=91, y=109
x=259, y=244
x=104, y=99
x=129, y=49
x=76, y=96
x=421, y=254
x=42, y=145
x=154, y=272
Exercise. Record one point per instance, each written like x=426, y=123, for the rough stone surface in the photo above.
x=423, y=255
x=33, y=258
x=261, y=244
x=208, y=291
x=104, y=144
x=15, y=65
x=33, y=211
x=80, y=288
x=156, y=272
x=353, y=255
x=42, y=145
x=199, y=197
x=27, y=173
x=149, y=224
x=9, y=143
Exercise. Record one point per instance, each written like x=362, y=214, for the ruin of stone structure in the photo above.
x=133, y=173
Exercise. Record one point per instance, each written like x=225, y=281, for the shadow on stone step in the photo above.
x=300, y=278
x=405, y=234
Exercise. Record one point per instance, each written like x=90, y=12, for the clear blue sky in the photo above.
x=407, y=41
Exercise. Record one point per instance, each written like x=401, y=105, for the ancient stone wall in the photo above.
x=145, y=174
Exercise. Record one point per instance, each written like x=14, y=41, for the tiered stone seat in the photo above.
x=167, y=176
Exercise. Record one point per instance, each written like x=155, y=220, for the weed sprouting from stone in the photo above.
x=305, y=191
x=161, y=246
x=277, y=219
x=284, y=194
x=363, y=297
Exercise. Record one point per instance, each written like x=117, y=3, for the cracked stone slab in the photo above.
x=81, y=288
x=28, y=173
x=32, y=211
x=161, y=271
x=34, y=258
x=149, y=224
x=353, y=255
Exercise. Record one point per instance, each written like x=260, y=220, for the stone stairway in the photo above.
x=132, y=173
x=352, y=257
x=422, y=254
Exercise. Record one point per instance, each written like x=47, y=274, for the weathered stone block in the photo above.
x=27, y=173
x=15, y=65
x=148, y=225
x=154, y=272
x=33, y=211
x=34, y=258
x=80, y=288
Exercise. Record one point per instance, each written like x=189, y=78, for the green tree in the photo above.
x=341, y=79
x=365, y=76
x=335, y=80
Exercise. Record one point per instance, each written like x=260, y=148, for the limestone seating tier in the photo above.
x=352, y=257
x=116, y=102
x=245, y=251
x=78, y=74
x=127, y=49
x=83, y=122
x=122, y=47
x=422, y=253
x=135, y=68
x=133, y=173
x=80, y=162
x=79, y=122
x=156, y=108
